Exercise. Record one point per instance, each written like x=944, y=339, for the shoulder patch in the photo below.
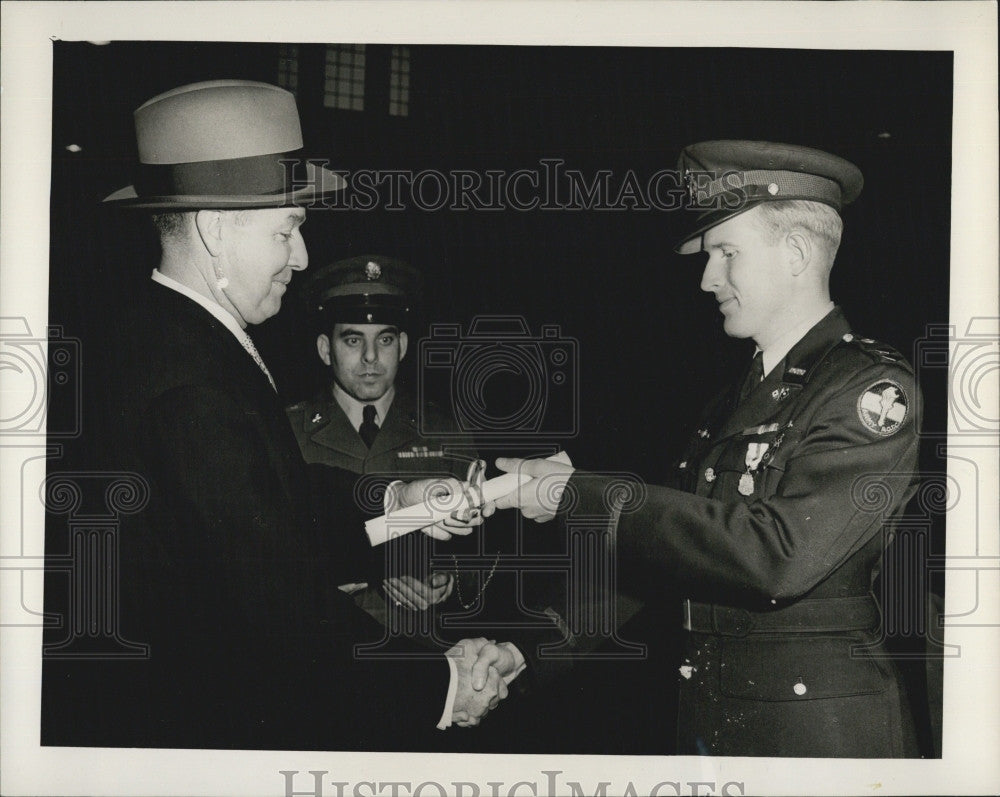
x=883, y=406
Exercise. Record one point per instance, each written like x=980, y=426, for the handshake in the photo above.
x=483, y=668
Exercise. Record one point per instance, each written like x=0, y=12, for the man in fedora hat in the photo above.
x=228, y=574
x=364, y=420
x=781, y=505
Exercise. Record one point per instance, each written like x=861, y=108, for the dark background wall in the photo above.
x=649, y=341
x=649, y=344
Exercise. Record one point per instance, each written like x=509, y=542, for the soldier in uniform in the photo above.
x=368, y=423
x=783, y=501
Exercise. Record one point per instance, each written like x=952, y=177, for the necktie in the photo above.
x=753, y=377
x=368, y=428
x=252, y=351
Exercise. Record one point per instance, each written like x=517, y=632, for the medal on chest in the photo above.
x=755, y=452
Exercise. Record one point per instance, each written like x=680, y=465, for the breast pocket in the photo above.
x=749, y=467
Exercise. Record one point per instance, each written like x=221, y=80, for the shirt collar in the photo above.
x=213, y=307
x=354, y=409
x=776, y=352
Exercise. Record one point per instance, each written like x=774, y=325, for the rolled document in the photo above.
x=436, y=508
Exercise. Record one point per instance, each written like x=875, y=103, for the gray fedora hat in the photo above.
x=222, y=144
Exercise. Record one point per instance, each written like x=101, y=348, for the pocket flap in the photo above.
x=801, y=668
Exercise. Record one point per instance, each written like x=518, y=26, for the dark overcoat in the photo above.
x=229, y=573
x=774, y=531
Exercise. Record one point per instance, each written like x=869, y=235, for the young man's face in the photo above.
x=364, y=358
x=750, y=277
x=260, y=250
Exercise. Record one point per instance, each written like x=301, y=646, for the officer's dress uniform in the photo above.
x=775, y=534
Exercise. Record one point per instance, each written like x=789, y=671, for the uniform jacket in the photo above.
x=407, y=445
x=783, y=654
x=228, y=574
x=411, y=445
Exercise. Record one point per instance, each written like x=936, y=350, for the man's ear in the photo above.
x=323, y=348
x=403, y=343
x=209, y=224
x=800, y=249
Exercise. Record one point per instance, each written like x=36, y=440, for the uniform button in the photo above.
x=709, y=475
x=799, y=688
x=848, y=337
x=683, y=465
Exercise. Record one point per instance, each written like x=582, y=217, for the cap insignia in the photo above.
x=373, y=270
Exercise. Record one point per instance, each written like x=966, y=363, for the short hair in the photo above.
x=168, y=225
x=821, y=221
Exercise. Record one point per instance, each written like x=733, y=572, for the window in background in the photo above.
x=399, y=81
x=344, y=83
x=288, y=67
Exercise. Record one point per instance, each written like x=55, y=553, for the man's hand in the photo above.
x=413, y=593
x=448, y=494
x=471, y=704
x=503, y=657
x=539, y=499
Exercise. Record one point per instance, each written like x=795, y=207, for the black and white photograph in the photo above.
x=598, y=403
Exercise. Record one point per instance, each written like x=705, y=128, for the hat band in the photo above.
x=760, y=184
x=363, y=289
x=356, y=307
x=253, y=175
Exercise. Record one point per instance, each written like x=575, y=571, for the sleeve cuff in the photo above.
x=519, y=662
x=449, y=703
x=390, y=500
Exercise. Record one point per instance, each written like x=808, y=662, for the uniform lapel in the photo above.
x=399, y=428
x=789, y=376
x=757, y=407
x=338, y=434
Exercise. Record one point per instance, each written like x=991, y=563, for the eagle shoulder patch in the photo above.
x=883, y=407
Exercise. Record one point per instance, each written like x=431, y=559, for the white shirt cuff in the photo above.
x=449, y=702
x=390, y=501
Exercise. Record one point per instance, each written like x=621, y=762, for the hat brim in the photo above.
x=321, y=182
x=690, y=242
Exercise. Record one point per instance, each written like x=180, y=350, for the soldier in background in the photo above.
x=368, y=423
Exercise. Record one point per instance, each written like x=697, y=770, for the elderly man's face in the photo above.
x=260, y=250
x=364, y=358
x=749, y=276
